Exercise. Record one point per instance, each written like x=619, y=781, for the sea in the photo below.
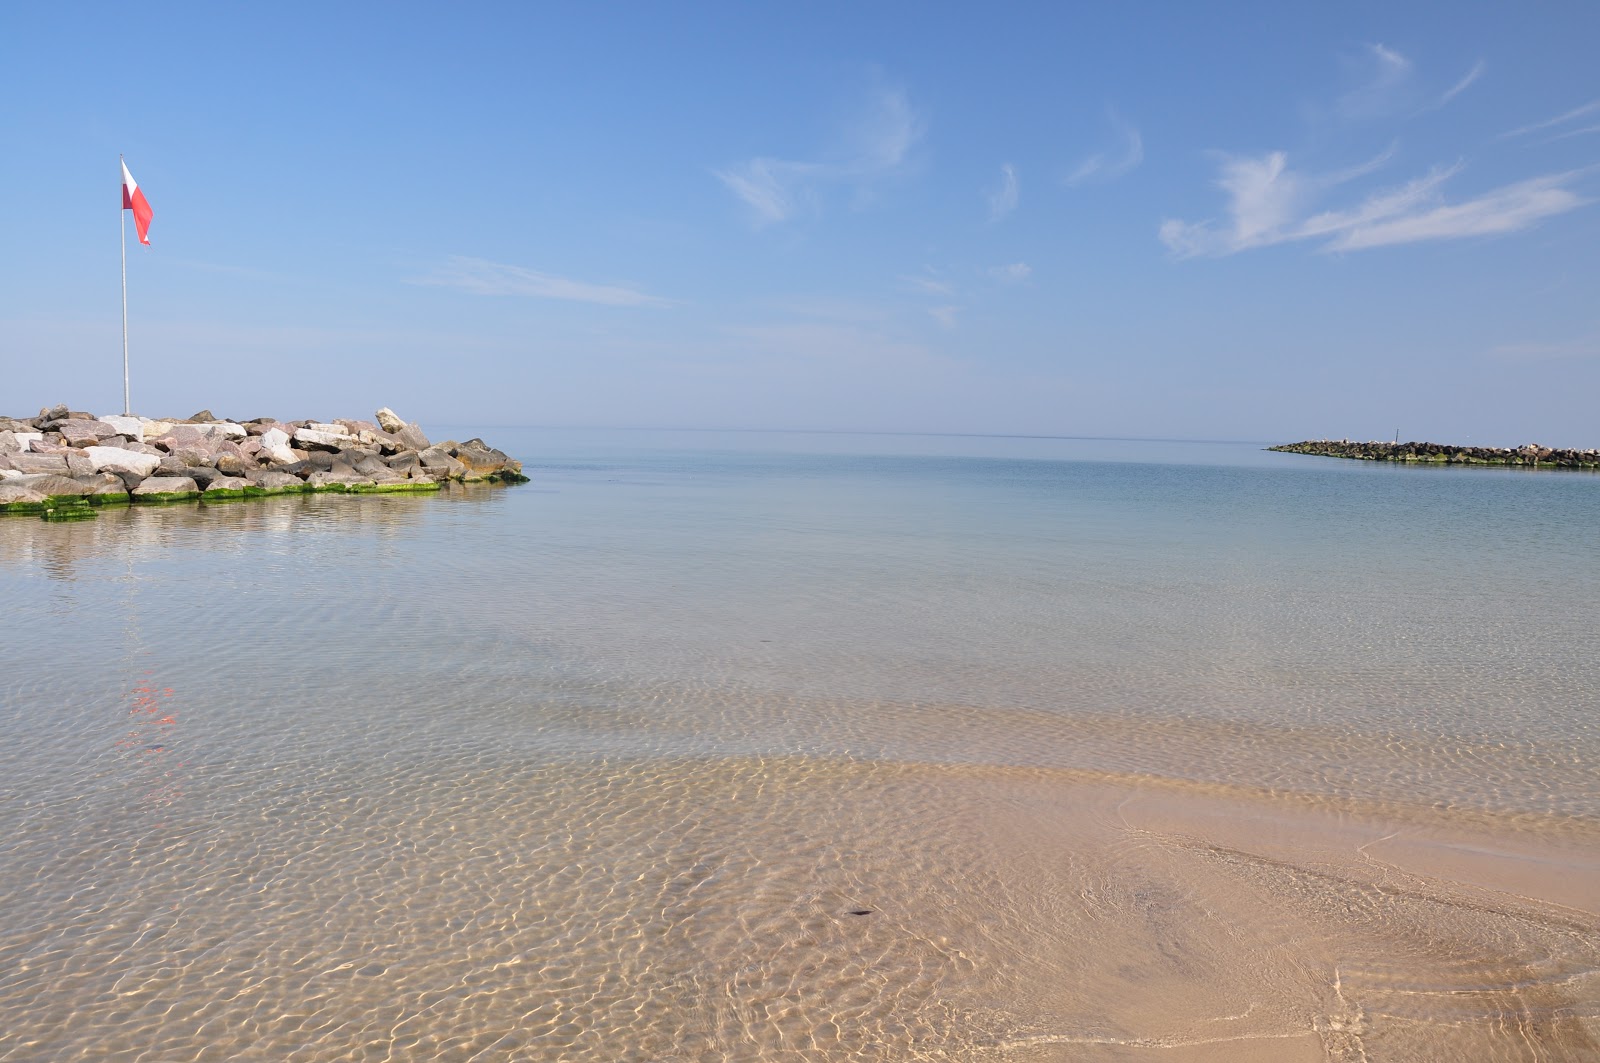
x=812, y=746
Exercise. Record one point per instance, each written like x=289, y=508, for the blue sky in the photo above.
x=1264, y=221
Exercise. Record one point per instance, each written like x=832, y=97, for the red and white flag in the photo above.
x=133, y=199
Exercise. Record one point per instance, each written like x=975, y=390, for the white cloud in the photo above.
x=1015, y=273
x=482, y=277
x=1461, y=86
x=1504, y=210
x=928, y=285
x=1003, y=196
x=1112, y=163
x=1269, y=203
x=945, y=315
x=874, y=146
x=1384, y=75
x=1561, y=119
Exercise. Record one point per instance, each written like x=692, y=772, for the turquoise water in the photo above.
x=358, y=739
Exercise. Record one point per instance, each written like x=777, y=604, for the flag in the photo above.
x=133, y=199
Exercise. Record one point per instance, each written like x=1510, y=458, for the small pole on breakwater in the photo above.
x=122, y=214
x=1397, y=437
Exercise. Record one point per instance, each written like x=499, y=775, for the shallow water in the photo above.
x=1126, y=750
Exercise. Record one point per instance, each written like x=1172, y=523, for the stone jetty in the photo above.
x=63, y=463
x=1529, y=455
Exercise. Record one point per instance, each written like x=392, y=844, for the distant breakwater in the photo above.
x=64, y=463
x=1529, y=455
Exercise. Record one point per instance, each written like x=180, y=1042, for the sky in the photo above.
x=1270, y=221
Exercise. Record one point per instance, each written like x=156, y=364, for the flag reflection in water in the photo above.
x=150, y=741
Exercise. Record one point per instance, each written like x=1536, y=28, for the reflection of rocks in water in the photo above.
x=145, y=532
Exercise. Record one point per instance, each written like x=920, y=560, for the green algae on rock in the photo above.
x=65, y=464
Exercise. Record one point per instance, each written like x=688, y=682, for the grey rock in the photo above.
x=51, y=485
x=103, y=485
x=273, y=479
x=441, y=460
x=171, y=466
x=76, y=433
x=348, y=477
x=39, y=463
x=370, y=465
x=411, y=436
x=79, y=463
x=166, y=485
x=203, y=417
x=227, y=483
x=11, y=492
x=204, y=475
x=388, y=420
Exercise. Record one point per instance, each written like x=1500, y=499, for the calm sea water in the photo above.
x=529, y=772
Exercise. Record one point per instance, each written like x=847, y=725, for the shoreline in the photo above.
x=65, y=464
x=1528, y=456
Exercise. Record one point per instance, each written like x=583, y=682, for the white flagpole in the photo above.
x=122, y=212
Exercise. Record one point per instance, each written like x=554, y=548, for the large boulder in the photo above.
x=13, y=493
x=25, y=440
x=166, y=488
x=273, y=480
x=440, y=460
x=76, y=433
x=227, y=487
x=483, y=461
x=388, y=420
x=51, y=485
x=39, y=463
x=411, y=436
x=132, y=427
x=116, y=458
x=324, y=437
x=104, y=486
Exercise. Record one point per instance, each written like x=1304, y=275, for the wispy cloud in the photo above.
x=1113, y=162
x=1461, y=86
x=1014, y=273
x=482, y=277
x=1269, y=203
x=927, y=284
x=1587, y=109
x=876, y=145
x=945, y=315
x=1383, y=76
x=1003, y=195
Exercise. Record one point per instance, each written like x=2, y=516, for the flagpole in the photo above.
x=122, y=213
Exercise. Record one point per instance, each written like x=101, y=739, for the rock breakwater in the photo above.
x=63, y=463
x=1528, y=455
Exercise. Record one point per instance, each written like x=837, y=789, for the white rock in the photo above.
x=321, y=437
x=118, y=460
x=132, y=427
x=274, y=437
x=279, y=455
x=25, y=439
x=224, y=429
x=155, y=429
